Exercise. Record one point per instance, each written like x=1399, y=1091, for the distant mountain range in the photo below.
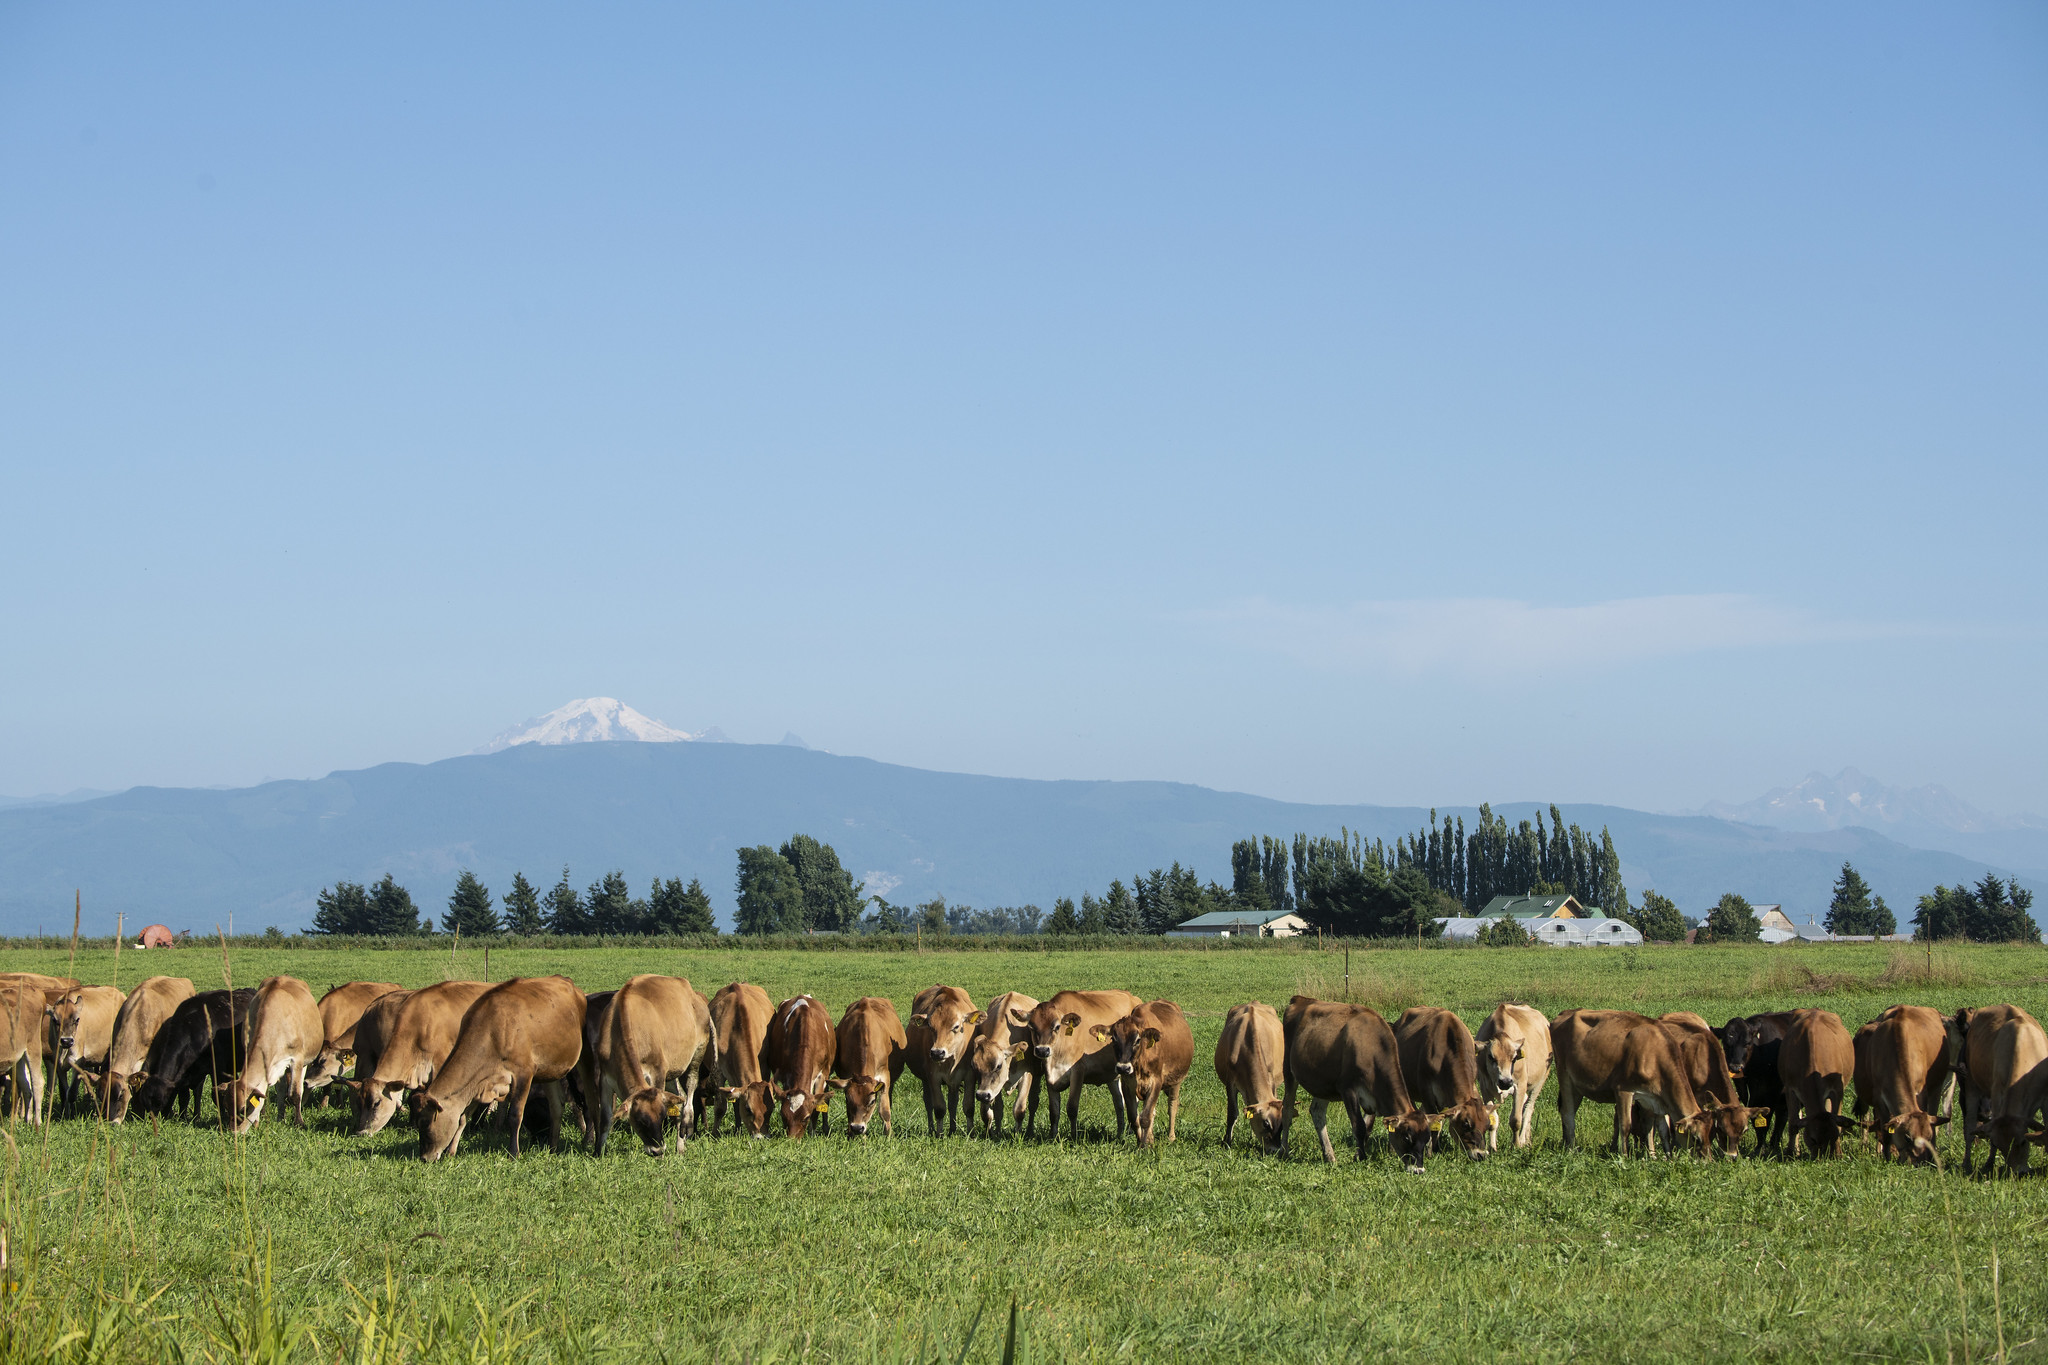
x=1925, y=817
x=192, y=857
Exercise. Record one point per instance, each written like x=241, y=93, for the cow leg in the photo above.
x=1319, y=1117
x=686, y=1122
x=516, y=1110
x=1567, y=1113
x=1073, y=1110
x=296, y=1078
x=1229, y=1111
x=1030, y=1119
x=1624, y=1115
x=552, y=1092
x=1173, y=1114
x=1142, y=1122
x=1525, y=1115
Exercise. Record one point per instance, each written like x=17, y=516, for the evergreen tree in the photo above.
x=697, y=916
x=771, y=900
x=1851, y=910
x=522, y=907
x=469, y=908
x=1120, y=912
x=1883, y=922
x=392, y=912
x=565, y=908
x=1064, y=922
x=2002, y=912
x=1732, y=920
x=831, y=902
x=1094, y=918
x=342, y=909
x=673, y=908
x=1944, y=913
x=1659, y=920
x=608, y=906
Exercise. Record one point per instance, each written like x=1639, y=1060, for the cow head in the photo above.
x=755, y=1104
x=1725, y=1125
x=119, y=1092
x=2010, y=1137
x=992, y=1060
x=798, y=1107
x=951, y=1028
x=863, y=1096
x=328, y=1067
x=244, y=1105
x=1910, y=1137
x=380, y=1100
x=1057, y=1041
x=1269, y=1125
x=440, y=1124
x=1469, y=1121
x=64, y=1016
x=1498, y=1057
x=1739, y=1038
x=1823, y=1128
x=1129, y=1043
x=647, y=1111
x=1410, y=1135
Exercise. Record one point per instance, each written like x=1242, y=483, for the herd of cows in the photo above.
x=657, y=1055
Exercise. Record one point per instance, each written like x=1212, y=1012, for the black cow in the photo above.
x=1752, y=1046
x=204, y=1039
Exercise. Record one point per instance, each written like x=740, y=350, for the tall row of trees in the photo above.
x=386, y=909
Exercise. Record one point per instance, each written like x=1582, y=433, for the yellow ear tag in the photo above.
x=1436, y=1125
x=674, y=1109
x=345, y=1058
x=255, y=1103
x=1068, y=1030
x=1760, y=1122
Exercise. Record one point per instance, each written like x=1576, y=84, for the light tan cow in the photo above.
x=521, y=1033
x=1250, y=1061
x=341, y=1009
x=285, y=1035
x=366, y=1044
x=656, y=1029
x=23, y=1031
x=869, y=1056
x=1344, y=1052
x=154, y=999
x=49, y=986
x=429, y=1022
x=1000, y=1058
x=1440, y=1067
x=942, y=1024
x=2005, y=1075
x=1154, y=1050
x=739, y=1018
x=1904, y=1059
x=81, y=1033
x=1514, y=1060
x=1816, y=1060
x=1065, y=1042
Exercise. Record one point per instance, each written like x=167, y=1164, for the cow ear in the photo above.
x=731, y=1092
x=674, y=1107
x=775, y=1090
x=1098, y=1032
x=1017, y=1052
x=429, y=1105
x=882, y=1086
x=1019, y=1019
x=345, y=1058
x=1151, y=1037
x=920, y=1020
x=1943, y=1119
x=1071, y=1022
x=1436, y=1123
x=977, y=1016
x=137, y=1077
x=619, y=1111
x=837, y=1083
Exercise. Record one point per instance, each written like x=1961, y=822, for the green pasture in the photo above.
x=336, y=1247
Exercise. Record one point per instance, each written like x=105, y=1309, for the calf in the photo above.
x=2005, y=1074
x=1514, y=1059
x=1815, y=1061
x=800, y=1052
x=1440, y=1067
x=81, y=1034
x=143, y=1013
x=341, y=1009
x=1902, y=1059
x=1338, y=1051
x=868, y=1051
x=739, y=1017
x=1071, y=1053
x=519, y=1034
x=1250, y=1058
x=424, y=1033
x=203, y=1040
x=1153, y=1049
x=1000, y=1059
x=656, y=1028
x=285, y=1036
x=942, y=1023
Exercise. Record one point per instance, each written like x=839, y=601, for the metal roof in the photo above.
x=1226, y=919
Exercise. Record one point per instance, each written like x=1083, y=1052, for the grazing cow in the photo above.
x=373, y=1033
x=2005, y=1075
x=586, y=1083
x=1440, y=1067
x=203, y=1040
x=1070, y=1052
x=1000, y=1060
x=1250, y=1061
x=285, y=1036
x=1514, y=1059
x=421, y=1037
x=655, y=1029
x=341, y=1009
x=143, y=1013
x=1752, y=1047
x=1153, y=1048
x=799, y=1055
x=740, y=1014
x=942, y=1027
x=24, y=1029
x=1815, y=1061
x=521, y=1033
x=1344, y=1052
x=868, y=1051
x=81, y=1034
x=1903, y=1060
x=1714, y=1083
x=50, y=987
x=1629, y=1060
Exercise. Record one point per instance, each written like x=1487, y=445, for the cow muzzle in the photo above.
x=856, y=1130
x=1043, y=1052
x=938, y=1054
x=1126, y=1069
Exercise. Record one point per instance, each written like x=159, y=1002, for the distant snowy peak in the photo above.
x=591, y=720
x=1853, y=798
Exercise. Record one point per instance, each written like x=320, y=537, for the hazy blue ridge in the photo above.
x=192, y=857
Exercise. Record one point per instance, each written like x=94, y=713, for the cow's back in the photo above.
x=1586, y=1047
x=425, y=1032
x=740, y=1014
x=143, y=1013
x=341, y=1009
x=870, y=1039
x=801, y=1047
x=1251, y=1050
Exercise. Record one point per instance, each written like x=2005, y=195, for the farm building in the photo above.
x=1777, y=925
x=1534, y=907
x=1243, y=924
x=1587, y=929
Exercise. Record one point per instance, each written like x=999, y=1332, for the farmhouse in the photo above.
x=1534, y=907
x=1558, y=920
x=1242, y=923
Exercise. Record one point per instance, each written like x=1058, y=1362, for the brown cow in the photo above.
x=81, y=1033
x=1000, y=1058
x=868, y=1053
x=372, y=1034
x=942, y=1025
x=1440, y=1067
x=519, y=1034
x=1071, y=1053
x=421, y=1037
x=1624, y=1059
x=1154, y=1048
x=49, y=986
x=1713, y=1082
x=739, y=1017
x=1815, y=1061
x=2005, y=1074
x=799, y=1056
x=23, y=1032
x=341, y=1009
x=1514, y=1059
x=1250, y=1062
x=1903, y=1061
x=655, y=1028
x=285, y=1035
x=154, y=999
x=1338, y=1051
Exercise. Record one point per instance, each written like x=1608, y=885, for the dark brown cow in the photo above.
x=200, y=1045
x=1440, y=1066
x=424, y=1033
x=868, y=1046
x=799, y=1056
x=1903, y=1061
x=942, y=1025
x=1815, y=1062
x=2005, y=1075
x=521, y=1033
x=153, y=1001
x=655, y=1029
x=1000, y=1058
x=1070, y=1051
x=1343, y=1052
x=341, y=1009
x=1714, y=1083
x=1154, y=1049
x=739, y=1016
x=1250, y=1061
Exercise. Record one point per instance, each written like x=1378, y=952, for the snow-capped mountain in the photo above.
x=589, y=720
x=1854, y=798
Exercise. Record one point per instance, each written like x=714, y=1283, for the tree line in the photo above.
x=385, y=909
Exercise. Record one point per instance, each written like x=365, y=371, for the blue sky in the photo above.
x=1618, y=403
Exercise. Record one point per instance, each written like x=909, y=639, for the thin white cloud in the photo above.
x=1467, y=633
